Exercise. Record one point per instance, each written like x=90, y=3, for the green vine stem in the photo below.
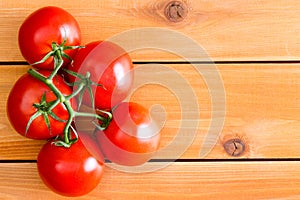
x=83, y=84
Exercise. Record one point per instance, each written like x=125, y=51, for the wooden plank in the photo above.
x=262, y=110
x=209, y=180
x=227, y=30
x=262, y=107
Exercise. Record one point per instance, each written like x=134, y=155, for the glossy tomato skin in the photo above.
x=131, y=138
x=110, y=66
x=69, y=171
x=28, y=91
x=41, y=28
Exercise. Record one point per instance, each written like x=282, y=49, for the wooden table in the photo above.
x=255, y=47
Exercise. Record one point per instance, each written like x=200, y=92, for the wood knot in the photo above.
x=234, y=147
x=176, y=11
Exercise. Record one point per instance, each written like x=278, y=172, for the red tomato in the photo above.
x=108, y=65
x=131, y=138
x=41, y=28
x=28, y=91
x=69, y=171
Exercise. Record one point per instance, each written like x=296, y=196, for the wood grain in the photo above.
x=209, y=180
x=261, y=100
x=262, y=109
x=228, y=30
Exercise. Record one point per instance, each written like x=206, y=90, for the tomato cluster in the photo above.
x=45, y=103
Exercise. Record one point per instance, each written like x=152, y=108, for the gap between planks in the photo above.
x=242, y=160
x=5, y=63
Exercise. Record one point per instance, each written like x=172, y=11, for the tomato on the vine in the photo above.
x=131, y=138
x=109, y=66
x=69, y=171
x=43, y=27
x=30, y=96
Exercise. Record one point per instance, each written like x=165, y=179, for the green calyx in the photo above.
x=44, y=109
x=58, y=53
